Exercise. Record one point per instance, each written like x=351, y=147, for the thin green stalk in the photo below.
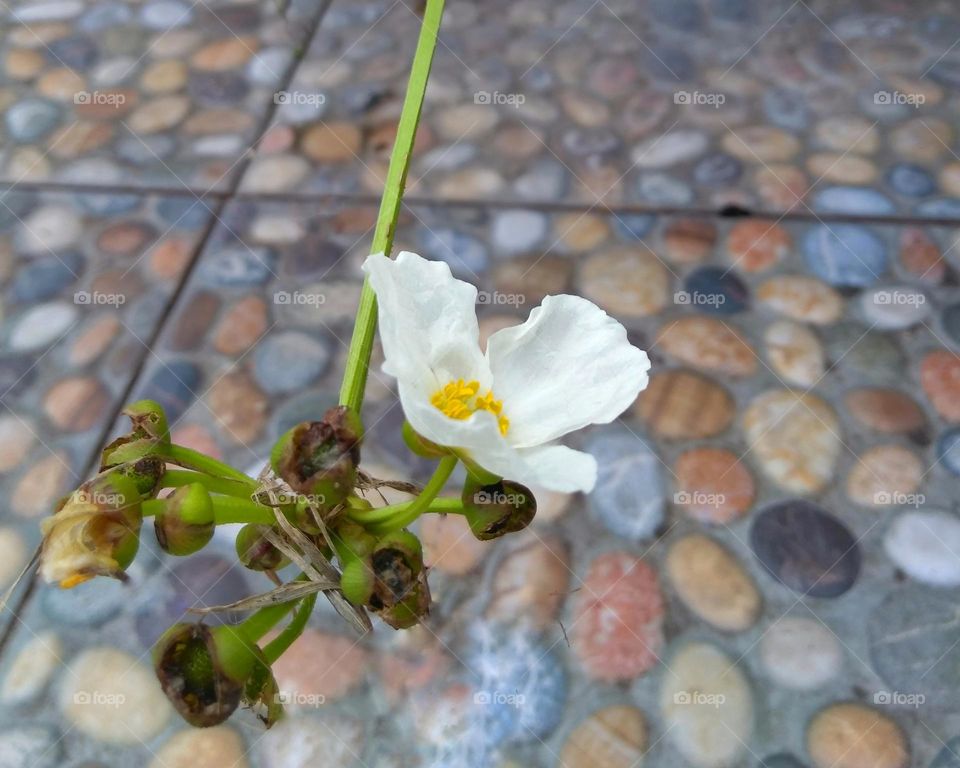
x=226, y=510
x=450, y=505
x=191, y=459
x=177, y=478
x=278, y=646
x=361, y=345
x=265, y=619
x=419, y=505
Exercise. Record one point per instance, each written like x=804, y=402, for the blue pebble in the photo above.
x=465, y=254
x=717, y=170
x=144, y=150
x=634, y=226
x=174, y=385
x=670, y=64
x=660, y=189
x=948, y=450
x=845, y=254
x=940, y=28
x=854, y=201
x=309, y=406
x=950, y=317
x=736, y=11
x=629, y=498
x=288, y=361
x=940, y=208
x=786, y=108
x=717, y=290
x=107, y=205
x=102, y=17
x=78, y=52
x=680, y=14
x=46, y=276
x=236, y=266
x=31, y=119
x=946, y=72
x=185, y=212
x=89, y=604
x=949, y=756
x=911, y=180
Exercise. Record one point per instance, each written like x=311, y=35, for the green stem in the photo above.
x=361, y=345
x=191, y=459
x=450, y=505
x=177, y=478
x=265, y=619
x=278, y=646
x=226, y=509
x=420, y=504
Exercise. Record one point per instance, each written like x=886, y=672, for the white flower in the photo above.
x=569, y=365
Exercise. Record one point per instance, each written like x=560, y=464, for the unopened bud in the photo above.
x=184, y=524
x=497, y=509
x=256, y=552
x=400, y=593
x=149, y=435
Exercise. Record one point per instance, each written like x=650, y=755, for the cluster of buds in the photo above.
x=308, y=510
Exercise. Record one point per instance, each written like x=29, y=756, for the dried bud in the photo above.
x=497, y=509
x=149, y=435
x=149, y=420
x=145, y=473
x=419, y=445
x=184, y=524
x=319, y=459
x=204, y=671
x=262, y=691
x=256, y=552
x=400, y=594
x=95, y=531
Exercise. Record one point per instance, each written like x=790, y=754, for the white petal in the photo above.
x=569, y=365
x=428, y=321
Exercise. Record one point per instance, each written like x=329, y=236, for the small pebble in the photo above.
x=288, y=361
x=845, y=254
x=217, y=747
x=800, y=653
x=713, y=485
x=851, y=735
x=940, y=379
x=531, y=581
x=628, y=282
x=449, y=546
x=16, y=439
x=801, y=298
x=683, y=405
x=307, y=741
x=755, y=246
x=612, y=737
x=239, y=406
x=795, y=353
x=32, y=668
x=925, y=544
x=320, y=668
x=716, y=290
x=709, y=344
x=885, y=410
x=894, y=308
x=884, y=475
x=42, y=325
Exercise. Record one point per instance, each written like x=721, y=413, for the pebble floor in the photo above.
x=768, y=573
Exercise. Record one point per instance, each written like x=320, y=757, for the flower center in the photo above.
x=461, y=399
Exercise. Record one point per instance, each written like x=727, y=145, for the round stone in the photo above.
x=306, y=740
x=32, y=668
x=940, y=378
x=806, y=548
x=948, y=450
x=853, y=201
x=16, y=440
x=689, y=241
x=224, y=55
x=795, y=353
x=49, y=230
x=761, y=144
x=517, y=231
x=708, y=343
x=885, y=410
x=924, y=544
x=164, y=76
x=160, y=114
x=712, y=583
x=894, y=308
x=871, y=354
x=30, y=746
x=618, y=626
x=244, y=322
x=629, y=497
x=40, y=486
x=845, y=254
x=852, y=169
x=884, y=475
x=30, y=120
x=231, y=267
x=716, y=290
x=22, y=64
x=628, y=282
x=112, y=697
x=217, y=747
x=801, y=298
x=922, y=140
x=707, y=706
x=713, y=485
x=781, y=186
x=240, y=407
x=531, y=581
x=670, y=149
x=718, y=170
x=275, y=173
x=685, y=405
x=845, y=134
x=319, y=668
x=911, y=180
x=13, y=550
x=754, y=245
x=288, y=361
x=849, y=735
x=449, y=546
x=332, y=142
x=800, y=653
x=612, y=737
x=76, y=404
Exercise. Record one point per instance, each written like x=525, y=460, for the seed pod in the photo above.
x=184, y=524
x=400, y=593
x=497, y=509
x=149, y=436
x=256, y=552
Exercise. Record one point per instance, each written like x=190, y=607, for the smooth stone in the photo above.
x=617, y=633
x=49, y=230
x=223, y=55
x=465, y=254
x=236, y=267
x=885, y=410
x=948, y=450
x=217, y=747
x=546, y=180
x=612, y=737
x=530, y=582
x=629, y=498
x=713, y=485
x=691, y=241
x=801, y=298
x=626, y=281
x=195, y=318
x=275, y=173
x=44, y=277
x=849, y=735
x=950, y=320
x=581, y=233
x=870, y=353
x=634, y=226
x=786, y=108
x=160, y=114
x=673, y=148
x=922, y=140
x=166, y=14
x=517, y=231
x=707, y=705
x=716, y=290
x=754, y=246
x=76, y=403
x=103, y=17
x=288, y=361
x=48, y=11
x=884, y=475
x=31, y=119
x=332, y=142
x=853, y=201
x=761, y=144
x=448, y=545
x=77, y=52
x=174, y=386
x=87, y=604
x=32, y=668
x=110, y=696
x=911, y=180
x=320, y=667
x=661, y=189
x=17, y=437
x=685, y=405
x=781, y=185
x=800, y=653
x=924, y=544
x=848, y=169
x=41, y=326
x=244, y=322
x=717, y=170
x=13, y=550
x=22, y=64
x=268, y=66
x=780, y=760
x=806, y=548
x=240, y=407
x=795, y=353
x=846, y=134
x=894, y=307
x=711, y=582
x=30, y=746
x=303, y=741
x=940, y=379
x=709, y=344
x=845, y=254
x=40, y=486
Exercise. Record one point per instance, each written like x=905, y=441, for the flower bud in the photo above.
x=256, y=552
x=497, y=509
x=145, y=474
x=95, y=531
x=149, y=420
x=184, y=524
x=204, y=671
x=419, y=445
x=319, y=458
x=400, y=593
x=148, y=436
x=357, y=581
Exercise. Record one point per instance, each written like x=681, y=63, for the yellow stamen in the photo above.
x=460, y=400
x=71, y=581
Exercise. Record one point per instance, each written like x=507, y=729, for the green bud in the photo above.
x=185, y=523
x=357, y=581
x=256, y=552
x=319, y=459
x=419, y=445
x=149, y=420
x=205, y=671
x=352, y=541
x=497, y=509
x=149, y=436
x=145, y=473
